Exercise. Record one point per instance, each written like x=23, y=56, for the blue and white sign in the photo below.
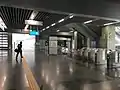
x=34, y=32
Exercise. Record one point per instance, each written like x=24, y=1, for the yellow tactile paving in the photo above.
x=31, y=80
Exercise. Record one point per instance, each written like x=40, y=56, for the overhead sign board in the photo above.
x=34, y=33
x=33, y=22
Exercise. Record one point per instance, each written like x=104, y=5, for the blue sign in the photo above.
x=34, y=32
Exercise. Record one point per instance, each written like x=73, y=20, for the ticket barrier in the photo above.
x=76, y=54
x=86, y=54
x=81, y=52
x=113, y=60
x=117, y=57
x=92, y=55
x=101, y=56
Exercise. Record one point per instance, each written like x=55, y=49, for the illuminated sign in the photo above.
x=33, y=22
x=34, y=32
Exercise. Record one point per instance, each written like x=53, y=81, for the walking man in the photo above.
x=19, y=47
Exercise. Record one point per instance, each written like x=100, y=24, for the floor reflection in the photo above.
x=60, y=73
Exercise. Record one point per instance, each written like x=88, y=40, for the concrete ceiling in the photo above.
x=94, y=26
x=107, y=9
x=50, y=11
x=14, y=19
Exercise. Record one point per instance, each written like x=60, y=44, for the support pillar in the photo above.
x=107, y=41
x=53, y=45
x=74, y=41
x=10, y=41
x=108, y=37
x=88, y=42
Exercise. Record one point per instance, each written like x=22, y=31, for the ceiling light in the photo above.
x=71, y=16
x=108, y=24
x=88, y=22
x=33, y=22
x=61, y=20
x=33, y=15
x=58, y=30
x=47, y=27
x=53, y=24
x=1, y=19
x=71, y=31
x=111, y=23
x=26, y=27
x=43, y=29
x=2, y=24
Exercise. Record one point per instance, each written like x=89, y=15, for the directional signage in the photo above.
x=34, y=33
x=33, y=22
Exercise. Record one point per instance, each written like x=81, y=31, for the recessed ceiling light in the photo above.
x=33, y=15
x=53, y=24
x=26, y=27
x=2, y=24
x=71, y=31
x=47, y=27
x=58, y=30
x=61, y=20
x=71, y=16
x=111, y=23
x=88, y=22
x=108, y=24
x=43, y=29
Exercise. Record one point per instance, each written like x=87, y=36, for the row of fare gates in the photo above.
x=99, y=56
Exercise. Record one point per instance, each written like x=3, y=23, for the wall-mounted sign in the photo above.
x=34, y=32
x=33, y=22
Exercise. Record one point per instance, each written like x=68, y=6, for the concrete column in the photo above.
x=75, y=40
x=42, y=44
x=37, y=38
x=111, y=38
x=88, y=42
x=68, y=45
x=73, y=44
x=107, y=39
x=10, y=41
x=53, y=45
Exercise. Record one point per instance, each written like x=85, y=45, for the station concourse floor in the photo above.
x=54, y=72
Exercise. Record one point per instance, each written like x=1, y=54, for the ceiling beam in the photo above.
x=102, y=9
x=33, y=15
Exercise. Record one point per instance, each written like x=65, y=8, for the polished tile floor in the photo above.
x=55, y=73
x=63, y=73
x=12, y=76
